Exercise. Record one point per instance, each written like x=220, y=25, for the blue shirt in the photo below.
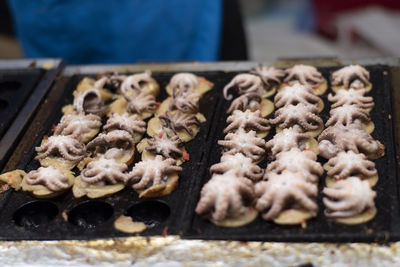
x=119, y=31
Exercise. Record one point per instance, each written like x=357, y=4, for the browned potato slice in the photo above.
x=294, y=216
x=125, y=224
x=245, y=219
x=13, y=178
x=81, y=189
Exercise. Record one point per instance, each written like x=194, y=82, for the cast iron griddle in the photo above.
x=23, y=217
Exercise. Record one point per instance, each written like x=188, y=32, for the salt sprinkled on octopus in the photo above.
x=351, y=97
x=275, y=194
x=152, y=172
x=89, y=102
x=139, y=102
x=295, y=94
x=346, y=75
x=348, y=114
x=179, y=121
x=130, y=123
x=248, y=120
x=269, y=75
x=295, y=161
x=64, y=146
x=348, y=163
x=109, y=79
x=183, y=82
x=105, y=171
x=245, y=83
x=348, y=198
x=135, y=82
x=343, y=138
x=302, y=115
x=225, y=196
x=287, y=139
x=77, y=125
x=249, y=101
x=50, y=177
x=240, y=165
x=245, y=142
x=306, y=75
x=185, y=100
x=166, y=146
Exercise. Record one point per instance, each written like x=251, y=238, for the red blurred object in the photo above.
x=326, y=11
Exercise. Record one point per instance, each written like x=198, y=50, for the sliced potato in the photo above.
x=81, y=189
x=358, y=219
x=162, y=189
x=13, y=178
x=294, y=216
x=125, y=224
x=249, y=216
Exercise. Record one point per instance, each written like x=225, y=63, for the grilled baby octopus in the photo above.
x=90, y=102
x=275, y=194
x=183, y=82
x=295, y=161
x=168, y=147
x=152, y=172
x=285, y=140
x=179, y=121
x=347, y=75
x=135, y=82
x=64, y=146
x=302, y=115
x=295, y=94
x=139, y=102
x=244, y=142
x=348, y=114
x=245, y=83
x=348, y=198
x=50, y=177
x=248, y=120
x=269, y=75
x=225, y=196
x=240, y=165
x=306, y=75
x=78, y=125
x=351, y=137
x=185, y=100
x=130, y=123
x=249, y=101
x=106, y=171
x=348, y=163
x=351, y=97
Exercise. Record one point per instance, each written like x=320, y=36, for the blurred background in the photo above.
x=264, y=30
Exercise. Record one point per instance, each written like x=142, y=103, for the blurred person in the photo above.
x=126, y=31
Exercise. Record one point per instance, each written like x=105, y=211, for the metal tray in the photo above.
x=23, y=217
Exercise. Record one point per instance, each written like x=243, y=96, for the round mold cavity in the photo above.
x=3, y=104
x=151, y=212
x=90, y=214
x=9, y=86
x=35, y=214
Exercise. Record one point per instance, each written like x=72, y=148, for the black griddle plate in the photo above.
x=23, y=217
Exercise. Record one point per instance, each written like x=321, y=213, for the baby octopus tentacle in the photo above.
x=225, y=196
x=117, y=138
x=179, y=121
x=66, y=146
x=168, y=147
x=245, y=83
x=347, y=114
x=139, y=102
x=295, y=94
x=351, y=97
x=249, y=101
x=348, y=198
x=109, y=79
x=90, y=102
x=130, y=123
x=185, y=101
x=348, y=163
x=105, y=170
x=241, y=165
x=303, y=115
x=306, y=75
x=152, y=171
x=286, y=140
x=52, y=178
x=269, y=75
x=348, y=74
x=274, y=194
x=244, y=142
x=248, y=120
